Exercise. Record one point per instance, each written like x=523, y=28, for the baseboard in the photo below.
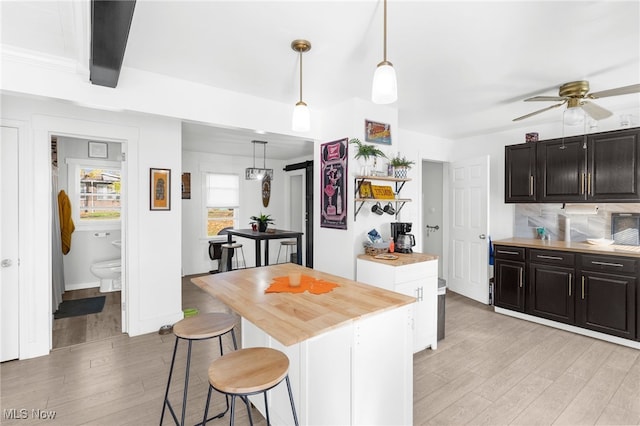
x=578, y=330
x=81, y=286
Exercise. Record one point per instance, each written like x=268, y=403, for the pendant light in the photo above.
x=385, y=88
x=256, y=173
x=301, y=121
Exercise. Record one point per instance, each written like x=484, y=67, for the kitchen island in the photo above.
x=350, y=350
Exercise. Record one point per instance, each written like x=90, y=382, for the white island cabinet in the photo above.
x=413, y=274
x=350, y=350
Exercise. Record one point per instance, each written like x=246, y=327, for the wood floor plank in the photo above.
x=489, y=369
x=513, y=402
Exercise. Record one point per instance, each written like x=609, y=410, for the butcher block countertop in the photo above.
x=291, y=318
x=580, y=247
x=403, y=258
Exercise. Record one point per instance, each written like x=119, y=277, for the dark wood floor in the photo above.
x=489, y=369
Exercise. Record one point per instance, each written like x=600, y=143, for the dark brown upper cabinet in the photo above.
x=601, y=167
x=613, y=172
x=520, y=173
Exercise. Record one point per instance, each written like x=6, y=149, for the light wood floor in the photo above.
x=88, y=328
x=489, y=369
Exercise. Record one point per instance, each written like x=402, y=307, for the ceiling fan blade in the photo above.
x=539, y=111
x=545, y=98
x=634, y=88
x=595, y=111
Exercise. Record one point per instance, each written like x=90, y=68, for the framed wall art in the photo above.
x=160, y=189
x=377, y=132
x=333, y=184
x=186, y=186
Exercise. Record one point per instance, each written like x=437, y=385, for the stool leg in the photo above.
x=166, y=394
x=233, y=409
x=278, y=258
x=233, y=336
x=206, y=407
x=186, y=383
x=266, y=408
x=246, y=401
x=293, y=407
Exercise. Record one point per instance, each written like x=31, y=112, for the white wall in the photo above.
x=152, y=246
x=335, y=250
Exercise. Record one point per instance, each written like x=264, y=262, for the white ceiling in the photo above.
x=463, y=67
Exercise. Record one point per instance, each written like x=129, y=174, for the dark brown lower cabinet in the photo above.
x=551, y=292
x=592, y=291
x=607, y=303
x=510, y=286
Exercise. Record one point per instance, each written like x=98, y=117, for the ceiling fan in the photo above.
x=576, y=94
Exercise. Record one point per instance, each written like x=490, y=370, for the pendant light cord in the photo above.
x=385, y=31
x=300, y=53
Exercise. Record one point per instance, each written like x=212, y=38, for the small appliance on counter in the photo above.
x=625, y=228
x=404, y=241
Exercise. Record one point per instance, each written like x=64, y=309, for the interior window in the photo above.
x=221, y=202
x=95, y=194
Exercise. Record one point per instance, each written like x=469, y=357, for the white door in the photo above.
x=295, y=205
x=9, y=288
x=468, y=271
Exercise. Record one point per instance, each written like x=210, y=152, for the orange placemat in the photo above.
x=307, y=283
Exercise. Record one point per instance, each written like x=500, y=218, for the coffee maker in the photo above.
x=402, y=238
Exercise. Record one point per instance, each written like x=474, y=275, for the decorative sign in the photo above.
x=266, y=190
x=333, y=169
x=382, y=192
x=377, y=132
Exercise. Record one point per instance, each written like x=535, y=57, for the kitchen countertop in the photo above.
x=403, y=258
x=579, y=247
x=291, y=318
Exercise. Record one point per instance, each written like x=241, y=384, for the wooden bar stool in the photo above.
x=233, y=248
x=199, y=327
x=249, y=372
x=287, y=244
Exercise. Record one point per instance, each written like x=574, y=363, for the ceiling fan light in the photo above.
x=385, y=87
x=573, y=116
x=301, y=121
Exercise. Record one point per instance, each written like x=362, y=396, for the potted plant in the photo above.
x=400, y=166
x=263, y=221
x=368, y=154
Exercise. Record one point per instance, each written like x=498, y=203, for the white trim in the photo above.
x=36, y=318
x=568, y=327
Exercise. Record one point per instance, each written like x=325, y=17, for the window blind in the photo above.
x=223, y=190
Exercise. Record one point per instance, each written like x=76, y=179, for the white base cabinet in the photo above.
x=419, y=280
x=357, y=374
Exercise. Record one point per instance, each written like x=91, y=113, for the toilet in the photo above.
x=109, y=272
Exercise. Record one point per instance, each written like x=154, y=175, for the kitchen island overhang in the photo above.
x=350, y=349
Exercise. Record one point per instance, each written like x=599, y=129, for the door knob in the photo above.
x=6, y=263
x=482, y=236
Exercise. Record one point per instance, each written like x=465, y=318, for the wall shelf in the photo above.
x=398, y=202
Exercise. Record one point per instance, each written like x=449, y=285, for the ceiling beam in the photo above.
x=110, y=24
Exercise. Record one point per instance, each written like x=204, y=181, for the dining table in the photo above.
x=269, y=234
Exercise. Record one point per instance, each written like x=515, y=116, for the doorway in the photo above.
x=299, y=202
x=90, y=269
x=433, y=206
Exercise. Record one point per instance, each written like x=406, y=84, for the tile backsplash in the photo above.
x=528, y=217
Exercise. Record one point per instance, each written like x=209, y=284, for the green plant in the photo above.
x=398, y=161
x=263, y=218
x=366, y=151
